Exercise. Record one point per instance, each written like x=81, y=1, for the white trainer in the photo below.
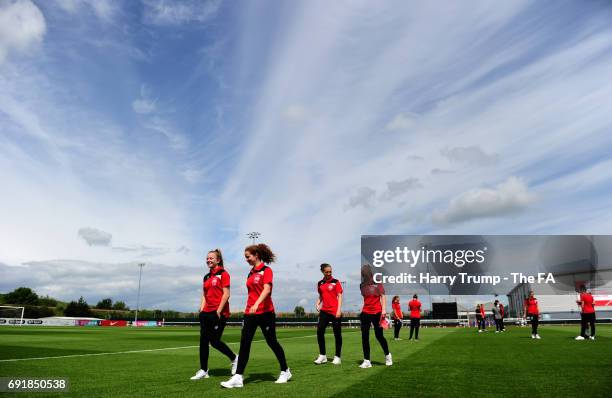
x=284, y=377
x=388, y=360
x=200, y=374
x=537, y=336
x=479, y=330
x=579, y=338
x=234, y=365
x=365, y=364
x=533, y=336
x=234, y=382
x=320, y=359
x=592, y=337
x=337, y=361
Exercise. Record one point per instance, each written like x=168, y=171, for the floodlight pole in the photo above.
x=253, y=236
x=138, y=297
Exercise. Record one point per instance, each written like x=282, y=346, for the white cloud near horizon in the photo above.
x=22, y=28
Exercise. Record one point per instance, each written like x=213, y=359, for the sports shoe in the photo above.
x=579, y=338
x=337, y=361
x=533, y=336
x=284, y=377
x=234, y=365
x=537, y=336
x=365, y=364
x=479, y=330
x=200, y=374
x=592, y=337
x=320, y=359
x=234, y=382
x=388, y=360
x=397, y=339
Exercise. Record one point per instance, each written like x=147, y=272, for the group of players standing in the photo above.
x=259, y=312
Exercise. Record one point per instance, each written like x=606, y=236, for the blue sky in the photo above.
x=156, y=130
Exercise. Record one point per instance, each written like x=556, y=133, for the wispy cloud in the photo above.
x=167, y=12
x=22, y=28
x=95, y=237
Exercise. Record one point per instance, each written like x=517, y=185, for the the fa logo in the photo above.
x=330, y=287
x=214, y=282
x=257, y=278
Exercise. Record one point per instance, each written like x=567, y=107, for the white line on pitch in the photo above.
x=135, y=351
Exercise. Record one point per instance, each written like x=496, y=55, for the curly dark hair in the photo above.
x=262, y=251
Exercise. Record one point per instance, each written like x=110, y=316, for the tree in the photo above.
x=120, y=306
x=47, y=301
x=105, y=304
x=78, y=308
x=22, y=295
x=299, y=311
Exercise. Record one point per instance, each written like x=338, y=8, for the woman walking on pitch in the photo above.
x=329, y=305
x=480, y=317
x=259, y=312
x=587, y=314
x=533, y=312
x=397, y=316
x=214, y=312
x=415, y=317
x=373, y=311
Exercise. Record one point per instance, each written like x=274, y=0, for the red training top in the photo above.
x=328, y=293
x=587, y=303
x=397, y=311
x=501, y=309
x=482, y=311
x=258, y=277
x=415, y=308
x=213, y=284
x=371, y=298
x=532, y=306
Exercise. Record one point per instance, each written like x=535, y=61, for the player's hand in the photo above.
x=383, y=314
x=253, y=309
x=338, y=314
x=218, y=314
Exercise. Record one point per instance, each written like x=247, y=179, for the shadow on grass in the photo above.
x=259, y=377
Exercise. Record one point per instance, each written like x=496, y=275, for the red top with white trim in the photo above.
x=329, y=289
x=213, y=284
x=258, y=277
x=482, y=311
x=531, y=303
x=501, y=309
x=586, y=300
x=397, y=311
x=371, y=298
x=415, y=308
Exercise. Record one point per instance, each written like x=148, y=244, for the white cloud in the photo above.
x=144, y=105
x=397, y=188
x=104, y=10
x=470, y=155
x=363, y=197
x=177, y=140
x=509, y=197
x=95, y=237
x=22, y=27
x=295, y=113
x=403, y=121
x=169, y=12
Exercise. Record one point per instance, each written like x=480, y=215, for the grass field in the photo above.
x=446, y=362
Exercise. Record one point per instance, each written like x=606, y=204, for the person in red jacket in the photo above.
x=480, y=318
x=415, y=317
x=214, y=312
x=329, y=305
x=373, y=311
x=397, y=317
x=503, y=314
x=533, y=312
x=587, y=314
x=259, y=312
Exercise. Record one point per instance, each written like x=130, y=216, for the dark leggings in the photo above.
x=397, y=325
x=211, y=330
x=587, y=319
x=481, y=322
x=499, y=325
x=267, y=323
x=324, y=320
x=366, y=321
x=534, y=322
x=415, y=325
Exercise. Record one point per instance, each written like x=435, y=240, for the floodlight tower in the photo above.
x=138, y=297
x=253, y=236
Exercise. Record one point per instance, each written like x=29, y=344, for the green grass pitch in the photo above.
x=446, y=362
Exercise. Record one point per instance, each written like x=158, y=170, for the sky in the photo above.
x=153, y=131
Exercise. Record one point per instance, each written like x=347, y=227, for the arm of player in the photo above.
x=224, y=299
x=318, y=305
x=202, y=303
x=339, y=312
x=265, y=293
x=383, y=302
